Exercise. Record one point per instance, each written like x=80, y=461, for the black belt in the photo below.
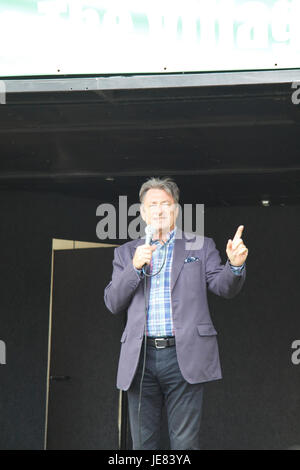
x=161, y=343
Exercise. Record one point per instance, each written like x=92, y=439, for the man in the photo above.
x=181, y=346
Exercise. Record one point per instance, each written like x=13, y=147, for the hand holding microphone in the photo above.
x=143, y=253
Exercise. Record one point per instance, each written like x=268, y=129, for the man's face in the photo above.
x=159, y=210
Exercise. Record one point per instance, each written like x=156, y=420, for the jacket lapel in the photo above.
x=179, y=255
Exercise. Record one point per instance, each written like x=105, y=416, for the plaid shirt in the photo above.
x=159, y=318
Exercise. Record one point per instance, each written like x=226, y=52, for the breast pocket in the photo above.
x=192, y=268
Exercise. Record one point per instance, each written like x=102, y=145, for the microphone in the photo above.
x=150, y=231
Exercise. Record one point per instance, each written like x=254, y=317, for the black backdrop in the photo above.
x=256, y=405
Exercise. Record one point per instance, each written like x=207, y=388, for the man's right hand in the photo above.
x=143, y=255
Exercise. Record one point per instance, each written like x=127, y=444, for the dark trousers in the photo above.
x=163, y=384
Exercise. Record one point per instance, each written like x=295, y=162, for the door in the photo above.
x=83, y=402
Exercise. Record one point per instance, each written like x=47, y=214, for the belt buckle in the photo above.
x=159, y=339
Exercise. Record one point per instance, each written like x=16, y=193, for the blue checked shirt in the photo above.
x=159, y=318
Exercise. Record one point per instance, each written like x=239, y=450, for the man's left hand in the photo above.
x=236, y=251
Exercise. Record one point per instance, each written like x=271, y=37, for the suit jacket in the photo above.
x=196, y=337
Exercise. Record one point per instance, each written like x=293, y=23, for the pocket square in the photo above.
x=190, y=259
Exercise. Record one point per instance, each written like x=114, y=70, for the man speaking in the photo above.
x=169, y=346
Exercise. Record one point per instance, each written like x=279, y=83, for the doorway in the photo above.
x=83, y=406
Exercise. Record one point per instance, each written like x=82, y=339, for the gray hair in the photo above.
x=167, y=184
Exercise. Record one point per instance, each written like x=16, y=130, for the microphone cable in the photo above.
x=145, y=335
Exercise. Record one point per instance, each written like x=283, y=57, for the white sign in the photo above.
x=54, y=37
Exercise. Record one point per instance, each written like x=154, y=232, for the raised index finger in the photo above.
x=238, y=233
